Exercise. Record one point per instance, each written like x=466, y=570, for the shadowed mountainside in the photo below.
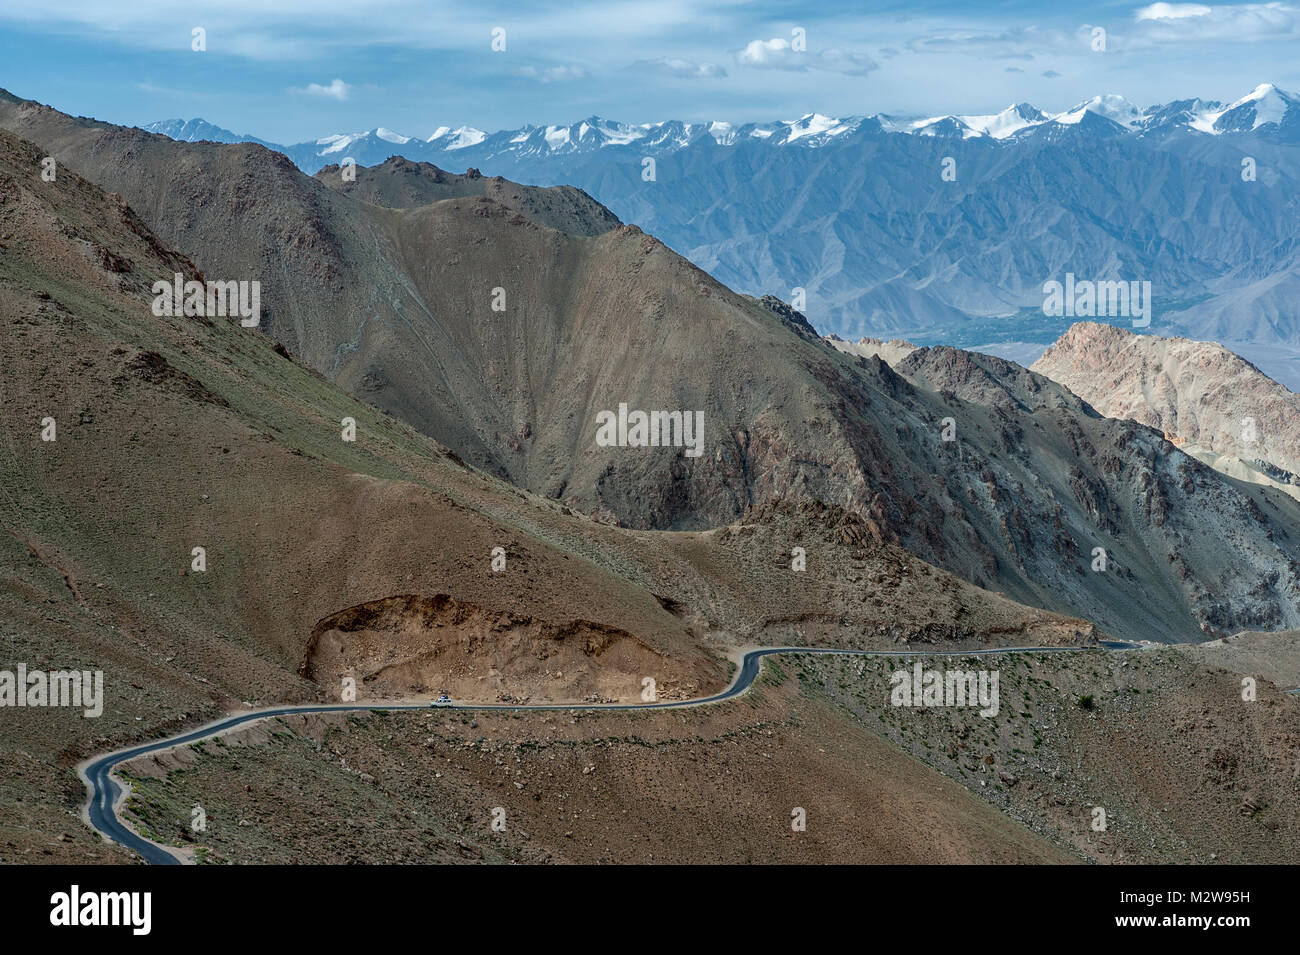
x=401, y=184
x=396, y=306
x=171, y=433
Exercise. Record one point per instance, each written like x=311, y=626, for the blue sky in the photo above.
x=292, y=71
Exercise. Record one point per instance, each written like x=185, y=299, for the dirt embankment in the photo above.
x=412, y=645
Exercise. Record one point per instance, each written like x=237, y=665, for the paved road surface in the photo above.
x=105, y=793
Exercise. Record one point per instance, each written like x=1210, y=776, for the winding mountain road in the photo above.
x=107, y=797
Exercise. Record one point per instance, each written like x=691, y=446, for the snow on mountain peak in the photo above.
x=814, y=124
x=557, y=136
x=724, y=134
x=1114, y=108
x=617, y=134
x=461, y=137
x=337, y=143
x=1264, y=104
x=1011, y=120
x=1270, y=104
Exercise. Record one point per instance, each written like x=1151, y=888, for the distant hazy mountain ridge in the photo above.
x=1265, y=106
x=1199, y=198
x=978, y=465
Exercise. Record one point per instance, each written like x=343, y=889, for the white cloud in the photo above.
x=842, y=61
x=150, y=87
x=336, y=90
x=1019, y=43
x=1196, y=23
x=304, y=29
x=680, y=69
x=1152, y=26
x=1171, y=11
x=777, y=54
x=770, y=54
x=552, y=74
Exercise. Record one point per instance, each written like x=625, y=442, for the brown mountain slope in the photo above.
x=1145, y=501
x=1186, y=771
x=323, y=554
x=708, y=785
x=397, y=307
x=402, y=184
x=174, y=433
x=1199, y=394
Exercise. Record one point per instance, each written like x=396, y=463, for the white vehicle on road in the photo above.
x=443, y=700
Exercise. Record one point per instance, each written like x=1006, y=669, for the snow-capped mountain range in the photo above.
x=1264, y=106
x=1199, y=198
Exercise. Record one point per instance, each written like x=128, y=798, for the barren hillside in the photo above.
x=1210, y=402
x=396, y=305
x=324, y=557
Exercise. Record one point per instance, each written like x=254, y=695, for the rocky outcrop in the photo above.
x=1205, y=399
